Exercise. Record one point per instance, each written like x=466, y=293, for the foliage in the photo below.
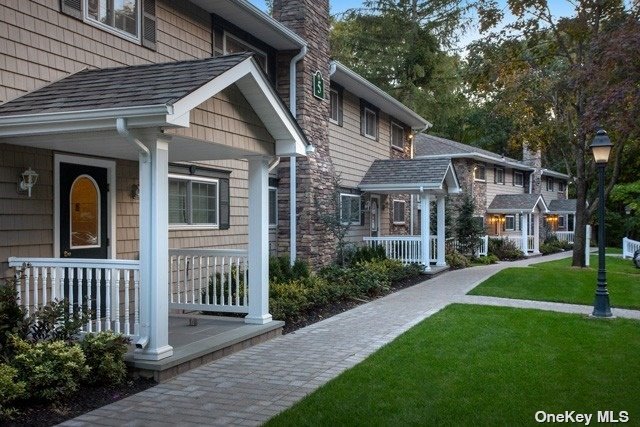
x=468, y=230
x=54, y=321
x=11, y=389
x=365, y=254
x=281, y=270
x=504, y=249
x=11, y=316
x=225, y=288
x=288, y=299
x=455, y=260
x=329, y=213
x=104, y=353
x=51, y=369
x=486, y=260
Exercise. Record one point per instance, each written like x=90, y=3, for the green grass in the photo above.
x=558, y=281
x=616, y=251
x=477, y=365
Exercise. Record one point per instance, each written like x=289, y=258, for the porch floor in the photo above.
x=210, y=338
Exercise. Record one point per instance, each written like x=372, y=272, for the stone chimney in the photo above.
x=310, y=20
x=533, y=159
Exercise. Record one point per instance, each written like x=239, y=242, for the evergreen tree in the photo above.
x=468, y=230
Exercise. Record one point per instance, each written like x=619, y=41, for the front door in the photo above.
x=375, y=216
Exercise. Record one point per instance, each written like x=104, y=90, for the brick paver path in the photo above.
x=251, y=386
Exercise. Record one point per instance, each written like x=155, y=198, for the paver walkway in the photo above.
x=251, y=386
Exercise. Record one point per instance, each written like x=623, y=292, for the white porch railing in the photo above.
x=629, y=247
x=565, y=236
x=406, y=249
x=517, y=240
x=482, y=248
x=108, y=288
x=209, y=280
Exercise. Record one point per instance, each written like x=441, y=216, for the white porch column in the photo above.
x=258, y=241
x=440, y=232
x=524, y=228
x=425, y=231
x=154, y=253
x=536, y=233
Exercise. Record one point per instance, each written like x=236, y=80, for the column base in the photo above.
x=441, y=264
x=260, y=320
x=153, y=354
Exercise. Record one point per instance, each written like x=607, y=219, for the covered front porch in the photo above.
x=161, y=116
x=561, y=219
x=431, y=180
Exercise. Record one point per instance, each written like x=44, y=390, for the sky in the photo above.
x=558, y=7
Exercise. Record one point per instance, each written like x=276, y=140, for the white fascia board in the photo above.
x=380, y=98
x=400, y=187
x=544, y=204
x=554, y=174
x=480, y=157
x=510, y=211
x=451, y=174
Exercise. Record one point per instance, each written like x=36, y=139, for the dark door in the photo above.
x=83, y=229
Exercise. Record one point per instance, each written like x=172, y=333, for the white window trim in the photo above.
x=515, y=183
x=514, y=223
x=276, y=218
x=337, y=119
x=354, y=196
x=550, y=184
x=120, y=33
x=393, y=213
x=397, y=147
x=477, y=166
x=375, y=130
x=196, y=178
x=239, y=40
x=495, y=171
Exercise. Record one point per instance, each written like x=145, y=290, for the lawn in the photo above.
x=558, y=281
x=478, y=365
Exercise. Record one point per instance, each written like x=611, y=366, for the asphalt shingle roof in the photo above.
x=131, y=86
x=405, y=171
x=511, y=202
x=564, y=205
x=429, y=145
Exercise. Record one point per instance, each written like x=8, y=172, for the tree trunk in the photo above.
x=582, y=216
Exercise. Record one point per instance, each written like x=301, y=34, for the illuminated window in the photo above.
x=85, y=213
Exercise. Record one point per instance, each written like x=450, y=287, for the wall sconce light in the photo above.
x=135, y=192
x=28, y=179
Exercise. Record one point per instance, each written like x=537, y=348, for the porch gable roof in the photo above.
x=410, y=176
x=517, y=203
x=561, y=206
x=151, y=95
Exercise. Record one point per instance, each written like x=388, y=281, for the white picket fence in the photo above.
x=629, y=247
x=482, y=249
x=565, y=236
x=108, y=288
x=209, y=280
x=408, y=249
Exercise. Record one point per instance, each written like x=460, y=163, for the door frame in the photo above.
x=377, y=198
x=110, y=165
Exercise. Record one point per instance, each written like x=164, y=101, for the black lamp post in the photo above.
x=601, y=147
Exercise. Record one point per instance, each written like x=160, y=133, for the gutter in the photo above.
x=123, y=131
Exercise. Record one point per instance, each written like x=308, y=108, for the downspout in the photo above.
x=123, y=131
x=293, y=202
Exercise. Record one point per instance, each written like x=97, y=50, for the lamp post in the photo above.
x=601, y=147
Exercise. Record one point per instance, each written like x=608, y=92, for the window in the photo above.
x=397, y=136
x=370, y=125
x=479, y=173
x=120, y=16
x=273, y=206
x=479, y=220
x=193, y=201
x=518, y=179
x=335, y=106
x=398, y=211
x=509, y=222
x=549, y=184
x=498, y=176
x=561, y=222
x=235, y=45
x=349, y=209
x=84, y=206
x=562, y=186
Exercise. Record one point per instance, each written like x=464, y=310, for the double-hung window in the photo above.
x=349, y=209
x=509, y=222
x=479, y=173
x=498, y=176
x=398, y=211
x=334, y=106
x=397, y=136
x=193, y=201
x=518, y=179
x=370, y=125
x=562, y=186
x=550, y=186
x=119, y=16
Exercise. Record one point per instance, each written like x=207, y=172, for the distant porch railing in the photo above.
x=517, y=240
x=408, y=249
x=108, y=288
x=481, y=250
x=209, y=280
x=565, y=236
x=629, y=247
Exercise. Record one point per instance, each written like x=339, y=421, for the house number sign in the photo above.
x=318, y=85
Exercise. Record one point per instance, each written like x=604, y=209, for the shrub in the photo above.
x=456, y=260
x=104, y=353
x=11, y=389
x=288, y=300
x=550, y=248
x=50, y=369
x=11, y=316
x=367, y=254
x=53, y=321
x=504, y=249
x=281, y=270
x=370, y=278
x=486, y=260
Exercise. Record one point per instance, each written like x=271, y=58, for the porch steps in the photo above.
x=435, y=271
x=209, y=339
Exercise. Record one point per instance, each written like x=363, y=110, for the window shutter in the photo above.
x=148, y=24
x=224, y=203
x=362, y=206
x=495, y=175
x=72, y=8
x=340, y=108
x=362, y=119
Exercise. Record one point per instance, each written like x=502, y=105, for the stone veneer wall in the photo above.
x=310, y=20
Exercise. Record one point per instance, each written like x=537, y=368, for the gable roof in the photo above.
x=433, y=147
x=516, y=203
x=410, y=176
x=563, y=206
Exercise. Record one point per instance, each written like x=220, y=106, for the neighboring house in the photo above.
x=513, y=198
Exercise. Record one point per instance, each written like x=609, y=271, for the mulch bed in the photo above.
x=88, y=398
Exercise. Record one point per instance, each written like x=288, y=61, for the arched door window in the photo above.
x=84, y=212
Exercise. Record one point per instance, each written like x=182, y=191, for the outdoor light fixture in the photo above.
x=601, y=147
x=28, y=179
x=135, y=192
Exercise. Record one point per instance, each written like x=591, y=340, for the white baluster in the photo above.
x=98, y=299
x=127, y=323
x=207, y=300
x=215, y=280
x=90, y=277
x=70, y=281
x=193, y=281
x=238, y=281
x=136, y=302
x=171, y=277
x=245, y=285
x=116, y=299
x=80, y=278
x=45, y=283
x=107, y=279
x=36, y=276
